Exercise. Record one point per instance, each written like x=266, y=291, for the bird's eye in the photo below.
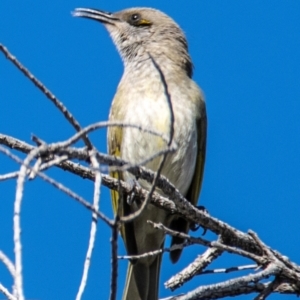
x=137, y=20
x=135, y=17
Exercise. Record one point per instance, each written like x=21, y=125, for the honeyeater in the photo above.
x=150, y=42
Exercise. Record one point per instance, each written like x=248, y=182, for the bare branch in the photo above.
x=96, y=200
x=114, y=259
x=64, y=189
x=6, y=293
x=46, y=92
x=9, y=176
x=156, y=252
x=228, y=287
x=182, y=235
x=240, y=252
x=268, y=290
x=200, y=263
x=8, y=263
x=228, y=270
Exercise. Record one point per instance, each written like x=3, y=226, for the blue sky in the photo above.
x=246, y=57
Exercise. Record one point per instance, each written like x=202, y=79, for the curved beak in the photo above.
x=95, y=14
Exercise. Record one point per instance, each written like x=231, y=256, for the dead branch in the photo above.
x=268, y=263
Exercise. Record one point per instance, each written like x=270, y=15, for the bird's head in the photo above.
x=138, y=32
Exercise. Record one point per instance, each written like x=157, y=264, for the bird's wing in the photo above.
x=195, y=187
x=119, y=204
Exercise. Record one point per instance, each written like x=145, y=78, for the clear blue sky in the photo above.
x=246, y=57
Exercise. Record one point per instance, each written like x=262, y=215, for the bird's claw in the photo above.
x=194, y=226
x=130, y=197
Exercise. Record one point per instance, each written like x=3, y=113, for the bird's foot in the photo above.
x=194, y=226
x=133, y=183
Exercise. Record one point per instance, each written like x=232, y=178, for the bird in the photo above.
x=153, y=47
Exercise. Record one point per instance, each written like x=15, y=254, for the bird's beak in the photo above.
x=98, y=15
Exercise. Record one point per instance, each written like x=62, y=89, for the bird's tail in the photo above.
x=142, y=280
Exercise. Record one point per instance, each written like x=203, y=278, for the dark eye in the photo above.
x=137, y=20
x=135, y=17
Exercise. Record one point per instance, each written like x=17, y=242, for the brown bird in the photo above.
x=144, y=36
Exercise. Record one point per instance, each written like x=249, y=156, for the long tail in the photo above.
x=142, y=281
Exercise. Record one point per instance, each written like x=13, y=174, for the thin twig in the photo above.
x=93, y=230
x=178, y=204
x=8, y=176
x=6, y=293
x=228, y=270
x=290, y=273
x=200, y=263
x=64, y=189
x=204, y=292
x=268, y=290
x=85, y=172
x=168, y=98
x=156, y=252
x=43, y=166
x=8, y=263
x=59, y=146
x=129, y=166
x=47, y=93
x=17, y=223
x=114, y=259
x=137, y=213
x=179, y=234
x=260, y=260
